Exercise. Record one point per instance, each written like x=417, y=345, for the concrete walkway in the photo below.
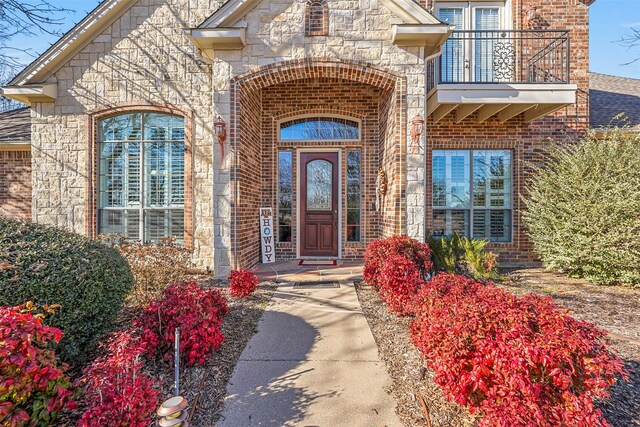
x=312, y=363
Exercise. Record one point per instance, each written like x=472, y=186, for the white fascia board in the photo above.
x=505, y=93
x=217, y=38
x=72, y=42
x=432, y=37
x=229, y=14
x=232, y=11
x=411, y=12
x=29, y=94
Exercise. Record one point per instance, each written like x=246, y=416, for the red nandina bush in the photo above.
x=196, y=311
x=517, y=361
x=398, y=282
x=33, y=386
x=378, y=251
x=243, y=283
x=117, y=392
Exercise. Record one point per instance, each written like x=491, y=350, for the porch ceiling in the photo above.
x=507, y=101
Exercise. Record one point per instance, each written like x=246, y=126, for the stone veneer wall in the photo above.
x=15, y=184
x=142, y=58
x=359, y=31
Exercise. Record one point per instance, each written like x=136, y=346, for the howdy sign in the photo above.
x=266, y=235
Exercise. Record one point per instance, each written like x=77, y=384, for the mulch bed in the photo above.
x=205, y=386
x=613, y=308
x=407, y=368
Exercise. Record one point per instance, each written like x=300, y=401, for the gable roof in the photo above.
x=15, y=127
x=73, y=41
x=231, y=12
x=612, y=95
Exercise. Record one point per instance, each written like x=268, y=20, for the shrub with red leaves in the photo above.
x=117, y=392
x=243, y=283
x=398, y=283
x=380, y=250
x=196, y=311
x=33, y=386
x=517, y=361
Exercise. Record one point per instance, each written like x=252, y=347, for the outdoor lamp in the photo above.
x=417, y=127
x=220, y=127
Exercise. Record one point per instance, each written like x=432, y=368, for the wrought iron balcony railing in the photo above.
x=501, y=56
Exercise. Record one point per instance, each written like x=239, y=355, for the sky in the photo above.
x=610, y=21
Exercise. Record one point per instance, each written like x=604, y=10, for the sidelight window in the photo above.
x=285, y=195
x=142, y=176
x=354, y=195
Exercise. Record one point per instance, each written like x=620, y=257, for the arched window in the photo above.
x=319, y=128
x=142, y=176
x=317, y=18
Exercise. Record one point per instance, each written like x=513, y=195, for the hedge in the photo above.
x=48, y=266
x=516, y=361
x=582, y=209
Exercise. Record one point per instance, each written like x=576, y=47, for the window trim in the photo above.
x=92, y=127
x=317, y=116
x=471, y=208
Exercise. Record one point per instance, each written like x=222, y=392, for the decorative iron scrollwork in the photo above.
x=503, y=60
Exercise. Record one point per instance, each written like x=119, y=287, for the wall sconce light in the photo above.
x=220, y=127
x=417, y=128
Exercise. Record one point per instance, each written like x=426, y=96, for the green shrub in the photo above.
x=49, y=266
x=155, y=266
x=459, y=254
x=583, y=209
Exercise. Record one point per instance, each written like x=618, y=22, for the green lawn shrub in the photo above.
x=459, y=254
x=583, y=209
x=49, y=266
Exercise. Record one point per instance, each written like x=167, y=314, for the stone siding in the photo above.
x=143, y=58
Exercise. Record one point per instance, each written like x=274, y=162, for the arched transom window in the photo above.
x=142, y=176
x=319, y=128
x=317, y=18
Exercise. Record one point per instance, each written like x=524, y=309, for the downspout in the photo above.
x=426, y=132
x=235, y=175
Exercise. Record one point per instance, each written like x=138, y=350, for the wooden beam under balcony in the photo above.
x=505, y=100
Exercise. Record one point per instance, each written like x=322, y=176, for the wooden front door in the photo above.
x=319, y=204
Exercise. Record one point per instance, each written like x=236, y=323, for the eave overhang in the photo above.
x=429, y=36
x=208, y=40
x=504, y=100
x=29, y=94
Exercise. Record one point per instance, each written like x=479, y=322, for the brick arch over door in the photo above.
x=93, y=119
x=246, y=139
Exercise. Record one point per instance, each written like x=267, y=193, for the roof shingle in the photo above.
x=15, y=126
x=611, y=96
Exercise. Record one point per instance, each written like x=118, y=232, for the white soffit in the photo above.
x=505, y=93
x=430, y=36
x=29, y=94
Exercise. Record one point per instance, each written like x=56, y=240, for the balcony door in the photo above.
x=469, y=54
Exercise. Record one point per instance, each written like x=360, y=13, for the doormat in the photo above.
x=318, y=262
x=316, y=285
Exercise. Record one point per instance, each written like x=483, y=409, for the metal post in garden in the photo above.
x=176, y=369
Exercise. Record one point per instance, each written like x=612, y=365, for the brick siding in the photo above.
x=15, y=184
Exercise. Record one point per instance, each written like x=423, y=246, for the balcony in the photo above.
x=500, y=73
